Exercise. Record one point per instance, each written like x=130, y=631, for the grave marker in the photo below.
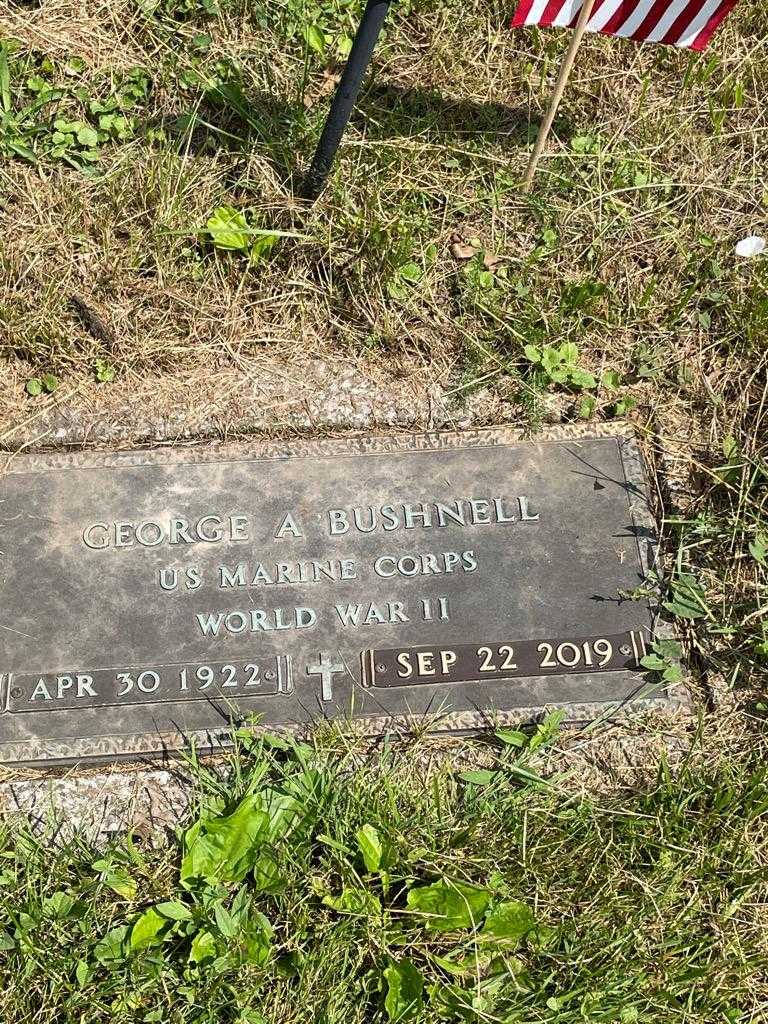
x=151, y=597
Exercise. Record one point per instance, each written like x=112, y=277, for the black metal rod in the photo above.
x=346, y=94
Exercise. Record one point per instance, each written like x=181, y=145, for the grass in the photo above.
x=317, y=883
x=612, y=291
x=628, y=236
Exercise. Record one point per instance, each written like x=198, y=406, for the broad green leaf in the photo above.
x=105, y=372
x=447, y=905
x=758, y=548
x=5, y=79
x=668, y=648
x=88, y=136
x=267, y=876
x=36, y=83
x=549, y=237
x=730, y=447
x=454, y=1003
x=411, y=272
x=370, y=847
x=587, y=407
x=59, y=904
x=26, y=922
x=23, y=151
x=465, y=967
x=404, y=999
x=224, y=921
x=653, y=662
x=397, y=290
x=688, y=599
x=314, y=37
x=480, y=777
x=50, y=382
x=228, y=847
x=119, y=881
x=663, y=659
x=229, y=229
x=544, y=936
x=283, y=812
x=547, y=730
x=550, y=359
x=582, y=378
x=625, y=405
x=569, y=353
x=255, y=941
x=34, y=387
x=672, y=674
x=174, y=910
x=532, y=353
x=240, y=906
x=82, y=973
x=511, y=737
x=256, y=948
x=525, y=775
x=509, y=920
x=111, y=948
x=583, y=143
x=262, y=245
x=225, y=848
x=359, y=902
x=147, y=931
x=203, y=947
x=268, y=739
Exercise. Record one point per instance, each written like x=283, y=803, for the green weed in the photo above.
x=309, y=885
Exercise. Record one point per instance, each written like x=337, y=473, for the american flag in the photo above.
x=686, y=23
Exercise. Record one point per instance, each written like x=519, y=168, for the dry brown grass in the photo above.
x=127, y=241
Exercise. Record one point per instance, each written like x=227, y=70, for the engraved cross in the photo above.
x=326, y=668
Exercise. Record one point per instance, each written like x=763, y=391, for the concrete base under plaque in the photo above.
x=152, y=597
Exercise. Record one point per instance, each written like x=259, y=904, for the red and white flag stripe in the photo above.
x=686, y=23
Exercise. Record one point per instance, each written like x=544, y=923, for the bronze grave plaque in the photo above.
x=148, y=598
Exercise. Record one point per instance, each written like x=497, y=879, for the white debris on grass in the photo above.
x=752, y=245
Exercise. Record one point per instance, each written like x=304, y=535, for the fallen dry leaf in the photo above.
x=328, y=83
x=461, y=248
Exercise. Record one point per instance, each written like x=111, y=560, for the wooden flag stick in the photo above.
x=562, y=81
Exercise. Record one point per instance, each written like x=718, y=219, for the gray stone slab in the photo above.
x=99, y=803
x=151, y=597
